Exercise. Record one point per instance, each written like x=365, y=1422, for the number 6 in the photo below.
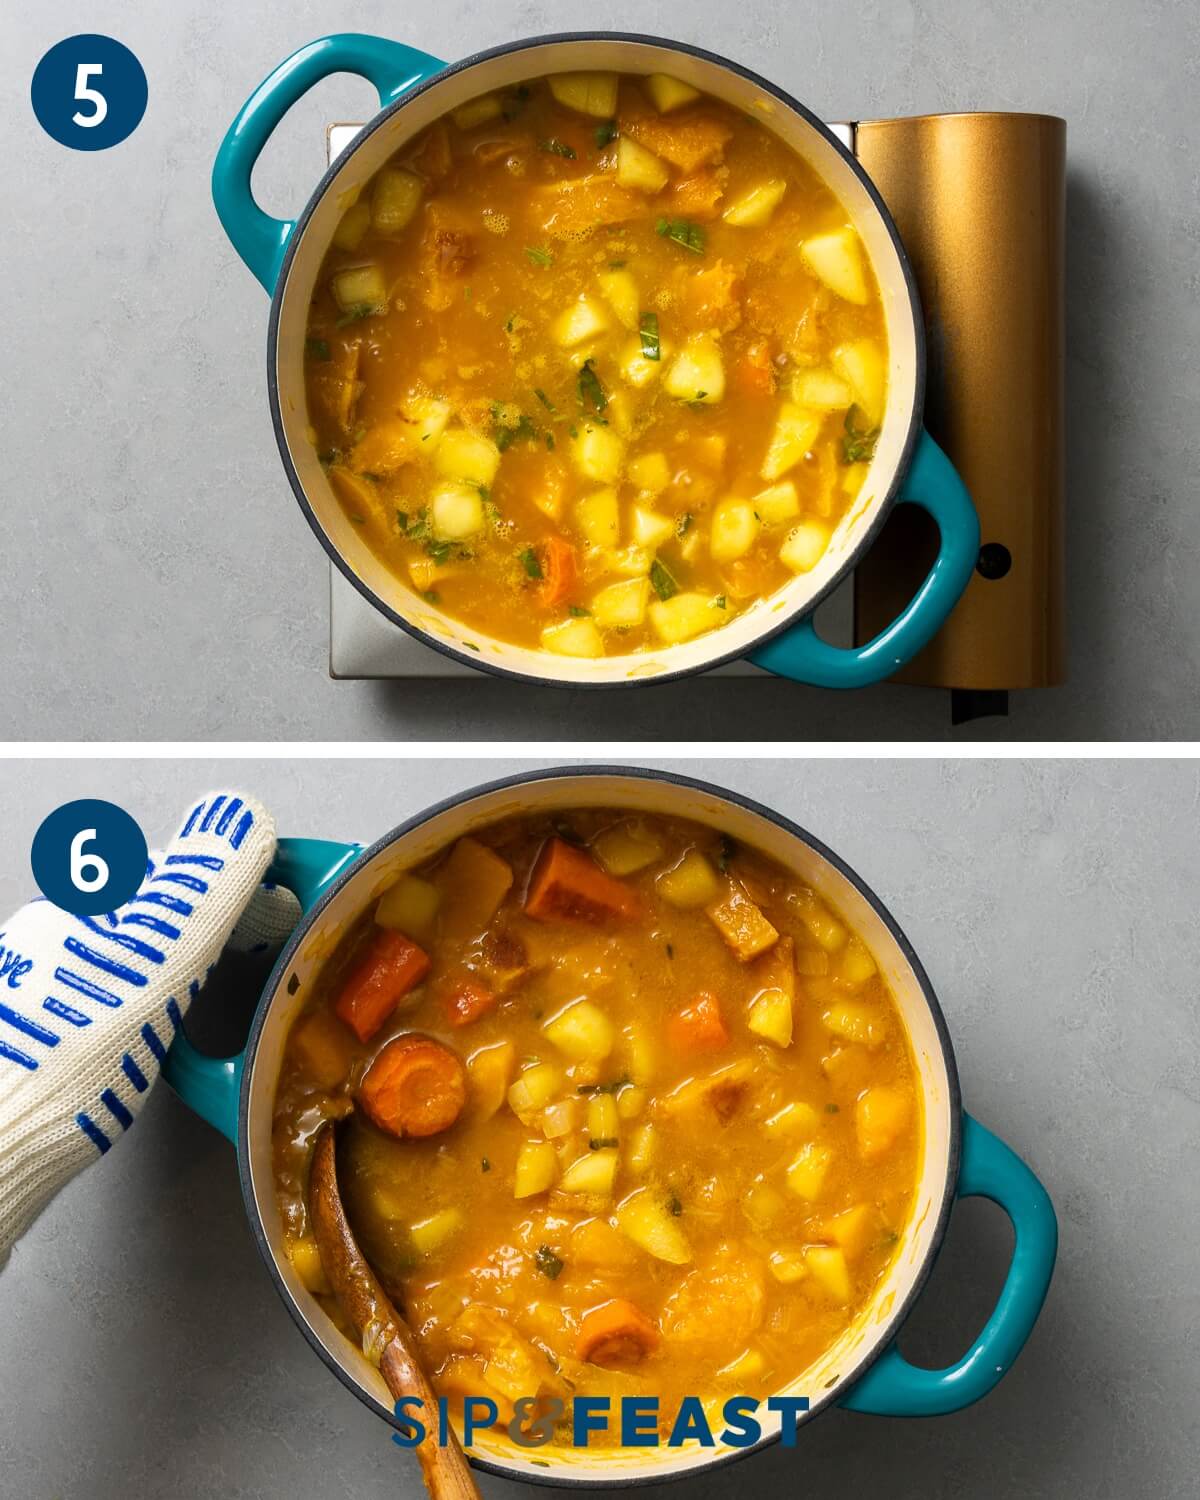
x=90, y=96
x=81, y=862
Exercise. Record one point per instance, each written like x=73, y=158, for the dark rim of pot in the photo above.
x=554, y=1476
x=793, y=616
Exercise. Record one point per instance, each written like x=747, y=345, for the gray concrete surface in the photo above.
x=145, y=1356
x=158, y=580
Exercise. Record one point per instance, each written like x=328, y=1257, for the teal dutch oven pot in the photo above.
x=864, y=1371
x=416, y=89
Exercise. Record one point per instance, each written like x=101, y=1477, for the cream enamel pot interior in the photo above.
x=415, y=90
x=864, y=1370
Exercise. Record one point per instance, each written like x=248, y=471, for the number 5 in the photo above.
x=81, y=863
x=99, y=111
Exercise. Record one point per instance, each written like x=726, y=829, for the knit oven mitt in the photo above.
x=88, y=1005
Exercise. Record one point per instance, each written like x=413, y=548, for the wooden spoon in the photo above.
x=370, y=1309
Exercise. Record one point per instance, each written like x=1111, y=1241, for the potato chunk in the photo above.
x=754, y=208
x=395, y=199
x=649, y=528
x=647, y=1221
x=590, y=93
x=836, y=258
x=795, y=432
x=359, y=289
x=741, y=923
x=806, y=1174
x=771, y=1017
x=466, y=455
x=594, y=1173
x=860, y=365
x=599, y=454
x=821, y=390
x=779, y=502
x=638, y=168
x=628, y=847
x=635, y=367
x=621, y=605
x=488, y=1072
x=619, y=290
x=804, y=546
x=690, y=883
x=477, y=111
x=698, y=374
x=428, y=1235
x=733, y=530
x=683, y=616
x=573, y=638
x=669, y=93
x=409, y=906
x=880, y=1118
x=582, y=1031
x=583, y=320
x=650, y=472
x=456, y=511
x=537, y=1167
x=827, y=1264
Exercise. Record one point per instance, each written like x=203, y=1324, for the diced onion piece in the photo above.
x=733, y=530
x=573, y=638
x=477, y=111
x=582, y=1031
x=804, y=546
x=754, y=208
x=650, y=471
x=533, y=1089
x=698, y=373
x=598, y=454
x=638, y=168
x=647, y=1221
x=463, y=454
x=619, y=290
x=537, y=1167
x=836, y=259
x=795, y=432
x=690, y=883
x=560, y=1118
x=394, y=199
x=683, y=616
x=598, y=516
x=456, y=511
x=585, y=319
x=590, y=93
x=669, y=93
x=787, y=1266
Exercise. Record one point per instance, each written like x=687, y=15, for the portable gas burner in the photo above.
x=979, y=200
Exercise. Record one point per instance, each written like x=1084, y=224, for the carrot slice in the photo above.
x=391, y=966
x=465, y=999
x=698, y=1026
x=558, y=571
x=615, y=1333
x=415, y=1086
x=566, y=882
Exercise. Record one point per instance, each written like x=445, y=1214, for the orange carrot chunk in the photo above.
x=465, y=999
x=698, y=1026
x=391, y=966
x=615, y=1334
x=558, y=571
x=415, y=1086
x=567, y=882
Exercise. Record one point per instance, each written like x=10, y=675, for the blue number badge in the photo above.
x=88, y=857
x=89, y=92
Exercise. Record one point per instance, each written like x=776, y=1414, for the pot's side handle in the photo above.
x=210, y=1085
x=257, y=237
x=932, y=482
x=990, y=1169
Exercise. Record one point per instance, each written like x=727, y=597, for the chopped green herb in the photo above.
x=508, y=327
x=605, y=133
x=858, y=440
x=557, y=148
x=470, y=645
x=485, y=1165
x=539, y=256
x=573, y=430
x=617, y=265
x=670, y=950
x=515, y=102
x=598, y=1143
x=649, y=330
x=357, y=314
x=439, y=551
x=502, y=436
x=577, y=611
x=466, y=294
x=831, y=1109
x=550, y=441
x=591, y=392
x=547, y=1262
x=317, y=349
x=725, y=853
x=544, y=399
x=674, y=1206
x=357, y=519
x=329, y=456
x=402, y=519
x=683, y=232
x=604, y=1088
x=664, y=584
x=684, y=524
x=527, y=557
x=431, y=596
